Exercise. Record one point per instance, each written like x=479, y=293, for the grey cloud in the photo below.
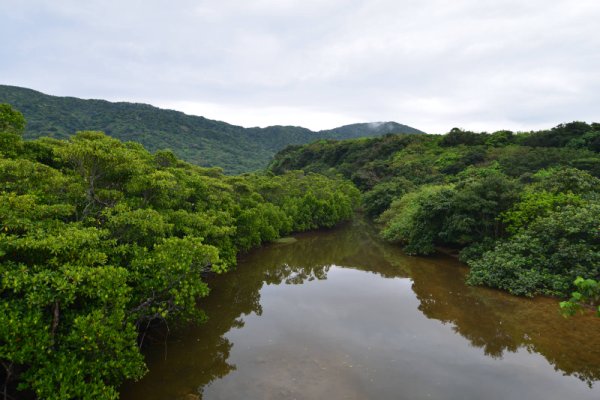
x=432, y=64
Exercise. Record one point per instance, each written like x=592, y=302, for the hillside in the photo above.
x=358, y=130
x=195, y=139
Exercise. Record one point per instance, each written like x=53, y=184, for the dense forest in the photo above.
x=197, y=140
x=101, y=240
x=523, y=209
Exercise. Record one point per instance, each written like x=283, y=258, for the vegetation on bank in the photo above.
x=100, y=239
x=522, y=208
x=587, y=296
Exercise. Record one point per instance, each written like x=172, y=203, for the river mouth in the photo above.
x=340, y=314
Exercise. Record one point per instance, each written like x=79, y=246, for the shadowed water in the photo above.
x=341, y=315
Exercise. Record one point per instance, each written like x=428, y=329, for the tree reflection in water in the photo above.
x=491, y=320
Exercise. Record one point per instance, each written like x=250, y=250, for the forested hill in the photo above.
x=358, y=130
x=195, y=139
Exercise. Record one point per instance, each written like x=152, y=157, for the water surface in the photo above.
x=341, y=315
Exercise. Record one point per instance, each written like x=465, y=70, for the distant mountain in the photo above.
x=369, y=129
x=195, y=139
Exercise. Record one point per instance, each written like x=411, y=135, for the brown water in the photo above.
x=341, y=315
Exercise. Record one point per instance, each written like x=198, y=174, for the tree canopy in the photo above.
x=101, y=240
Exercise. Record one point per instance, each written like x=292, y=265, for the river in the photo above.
x=339, y=314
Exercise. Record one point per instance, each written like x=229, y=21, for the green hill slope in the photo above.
x=379, y=128
x=195, y=139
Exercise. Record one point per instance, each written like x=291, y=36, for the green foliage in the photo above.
x=586, y=296
x=378, y=199
x=558, y=136
x=571, y=180
x=416, y=217
x=500, y=138
x=551, y=190
x=11, y=121
x=458, y=136
x=12, y=125
x=166, y=279
x=534, y=205
x=590, y=140
x=545, y=256
x=450, y=215
x=480, y=198
x=65, y=325
x=100, y=240
x=520, y=160
x=351, y=158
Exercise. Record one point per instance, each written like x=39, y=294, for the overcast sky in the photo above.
x=431, y=64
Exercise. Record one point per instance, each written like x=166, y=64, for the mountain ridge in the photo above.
x=196, y=139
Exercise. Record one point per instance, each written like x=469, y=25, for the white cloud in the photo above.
x=319, y=63
x=263, y=116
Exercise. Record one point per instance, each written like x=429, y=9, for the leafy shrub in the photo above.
x=378, y=199
x=546, y=256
